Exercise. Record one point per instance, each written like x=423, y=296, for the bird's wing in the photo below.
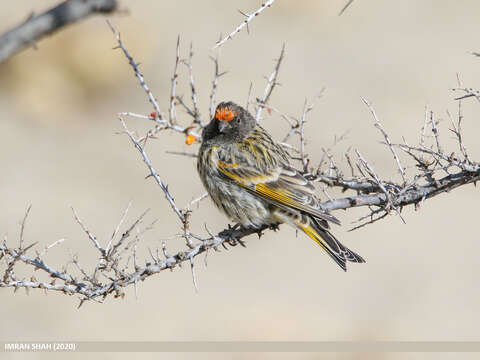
x=281, y=185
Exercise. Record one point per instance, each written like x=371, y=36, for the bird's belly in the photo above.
x=241, y=206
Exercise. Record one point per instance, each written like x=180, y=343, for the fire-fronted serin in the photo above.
x=249, y=178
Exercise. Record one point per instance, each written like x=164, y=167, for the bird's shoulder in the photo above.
x=258, y=150
x=260, y=159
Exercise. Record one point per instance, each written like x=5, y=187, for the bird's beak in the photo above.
x=222, y=126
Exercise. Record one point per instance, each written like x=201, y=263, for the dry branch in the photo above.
x=37, y=27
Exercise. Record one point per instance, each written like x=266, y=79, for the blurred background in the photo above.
x=59, y=148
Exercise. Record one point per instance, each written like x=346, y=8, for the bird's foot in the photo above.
x=229, y=238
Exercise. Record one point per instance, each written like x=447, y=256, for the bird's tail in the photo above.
x=339, y=253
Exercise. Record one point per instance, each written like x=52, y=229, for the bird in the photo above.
x=249, y=177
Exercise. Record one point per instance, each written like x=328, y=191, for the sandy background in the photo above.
x=58, y=148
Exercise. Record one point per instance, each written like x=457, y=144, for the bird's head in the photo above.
x=231, y=122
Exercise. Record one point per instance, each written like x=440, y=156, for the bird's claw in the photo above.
x=274, y=227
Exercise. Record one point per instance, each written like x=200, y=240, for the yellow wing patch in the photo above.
x=258, y=185
x=279, y=195
x=268, y=187
x=221, y=164
x=253, y=179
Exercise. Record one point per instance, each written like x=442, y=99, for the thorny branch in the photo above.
x=160, y=122
x=430, y=172
x=248, y=18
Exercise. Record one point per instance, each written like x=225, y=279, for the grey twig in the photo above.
x=469, y=92
x=249, y=17
x=379, y=126
x=368, y=168
x=46, y=248
x=271, y=83
x=22, y=228
x=248, y=96
x=172, y=113
x=153, y=172
x=345, y=7
x=49, y=22
x=89, y=234
x=213, y=93
x=196, y=112
x=161, y=122
x=302, y=137
x=182, y=153
x=138, y=74
x=117, y=228
x=435, y=131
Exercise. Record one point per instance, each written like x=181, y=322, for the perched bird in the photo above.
x=249, y=178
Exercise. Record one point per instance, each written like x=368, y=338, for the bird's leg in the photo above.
x=234, y=227
x=274, y=227
x=236, y=240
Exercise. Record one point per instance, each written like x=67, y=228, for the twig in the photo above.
x=183, y=153
x=115, y=232
x=368, y=168
x=435, y=132
x=197, y=200
x=126, y=235
x=379, y=126
x=193, y=92
x=469, y=92
x=302, y=137
x=248, y=96
x=139, y=76
x=89, y=234
x=345, y=7
x=22, y=227
x=213, y=93
x=153, y=173
x=172, y=117
x=46, y=248
x=249, y=17
x=49, y=22
x=271, y=83
x=194, y=278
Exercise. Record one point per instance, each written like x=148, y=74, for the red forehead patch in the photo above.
x=225, y=114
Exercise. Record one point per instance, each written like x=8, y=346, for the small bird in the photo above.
x=249, y=177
